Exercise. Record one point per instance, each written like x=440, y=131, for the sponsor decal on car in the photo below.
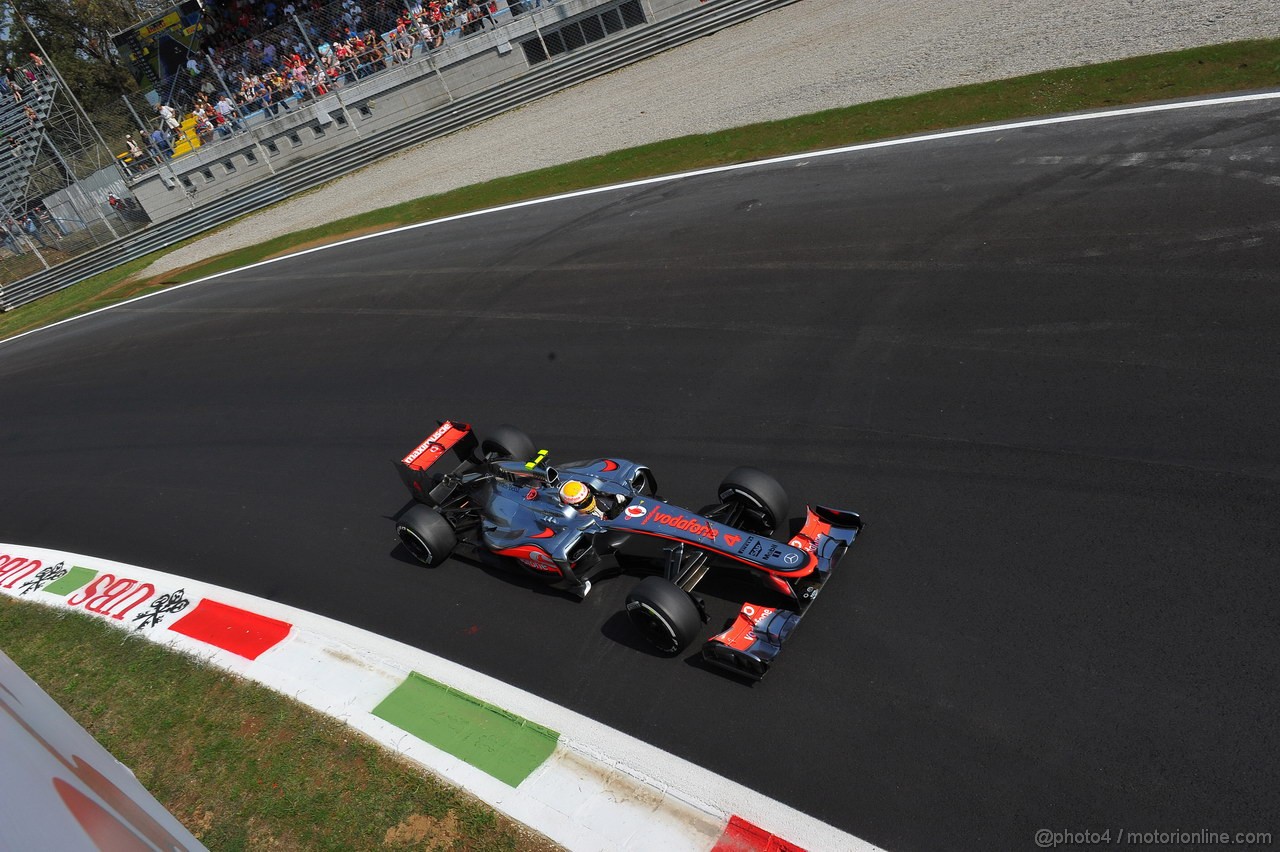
x=693, y=526
x=540, y=561
x=804, y=543
x=741, y=634
x=761, y=549
x=634, y=511
x=532, y=556
x=429, y=445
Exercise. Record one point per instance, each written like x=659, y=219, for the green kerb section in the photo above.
x=72, y=580
x=489, y=738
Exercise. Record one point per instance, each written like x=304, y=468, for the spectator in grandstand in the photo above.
x=281, y=91
x=133, y=159
x=159, y=143
x=203, y=126
x=48, y=224
x=430, y=35
x=226, y=109
x=32, y=118
x=169, y=117
x=32, y=227
x=403, y=45
x=13, y=78
x=37, y=62
x=372, y=59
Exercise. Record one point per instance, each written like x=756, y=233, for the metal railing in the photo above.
x=546, y=78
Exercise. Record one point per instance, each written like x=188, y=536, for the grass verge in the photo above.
x=1238, y=66
x=240, y=766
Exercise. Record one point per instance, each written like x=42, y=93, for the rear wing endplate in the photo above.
x=445, y=451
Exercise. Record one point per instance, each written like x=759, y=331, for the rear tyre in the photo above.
x=762, y=498
x=664, y=614
x=507, y=442
x=426, y=534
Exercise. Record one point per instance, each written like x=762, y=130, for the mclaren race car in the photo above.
x=495, y=496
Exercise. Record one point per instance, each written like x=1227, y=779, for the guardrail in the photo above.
x=581, y=65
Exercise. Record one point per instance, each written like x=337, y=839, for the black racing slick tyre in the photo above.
x=664, y=614
x=507, y=442
x=762, y=498
x=426, y=534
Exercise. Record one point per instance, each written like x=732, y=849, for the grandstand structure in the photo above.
x=344, y=93
x=334, y=106
x=56, y=172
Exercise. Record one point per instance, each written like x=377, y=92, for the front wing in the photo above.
x=750, y=643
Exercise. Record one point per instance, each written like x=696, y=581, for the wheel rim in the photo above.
x=655, y=627
x=414, y=544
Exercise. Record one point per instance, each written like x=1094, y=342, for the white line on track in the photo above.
x=866, y=146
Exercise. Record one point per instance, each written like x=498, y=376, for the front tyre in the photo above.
x=664, y=614
x=426, y=534
x=762, y=498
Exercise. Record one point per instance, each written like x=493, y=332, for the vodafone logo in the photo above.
x=435, y=449
x=634, y=511
x=756, y=614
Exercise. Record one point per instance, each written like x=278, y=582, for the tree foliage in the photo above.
x=76, y=35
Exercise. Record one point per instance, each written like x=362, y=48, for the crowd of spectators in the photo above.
x=23, y=94
x=25, y=82
x=262, y=55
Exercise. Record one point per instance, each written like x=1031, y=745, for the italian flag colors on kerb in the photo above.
x=136, y=603
x=499, y=743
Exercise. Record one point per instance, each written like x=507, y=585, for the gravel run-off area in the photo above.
x=809, y=56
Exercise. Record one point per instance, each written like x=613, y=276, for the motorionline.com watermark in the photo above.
x=1048, y=838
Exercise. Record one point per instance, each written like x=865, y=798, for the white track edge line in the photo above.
x=847, y=149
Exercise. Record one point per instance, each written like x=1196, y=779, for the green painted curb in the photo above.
x=72, y=580
x=489, y=738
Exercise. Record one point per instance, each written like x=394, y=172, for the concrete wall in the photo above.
x=373, y=106
x=61, y=790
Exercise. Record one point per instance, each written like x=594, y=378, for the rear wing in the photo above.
x=445, y=451
x=749, y=644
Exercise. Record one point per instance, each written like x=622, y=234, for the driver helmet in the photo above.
x=578, y=495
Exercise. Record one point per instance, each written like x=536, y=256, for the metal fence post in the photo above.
x=431, y=61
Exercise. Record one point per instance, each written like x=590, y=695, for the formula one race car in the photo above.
x=495, y=497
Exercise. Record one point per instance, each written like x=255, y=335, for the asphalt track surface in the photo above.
x=1042, y=363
